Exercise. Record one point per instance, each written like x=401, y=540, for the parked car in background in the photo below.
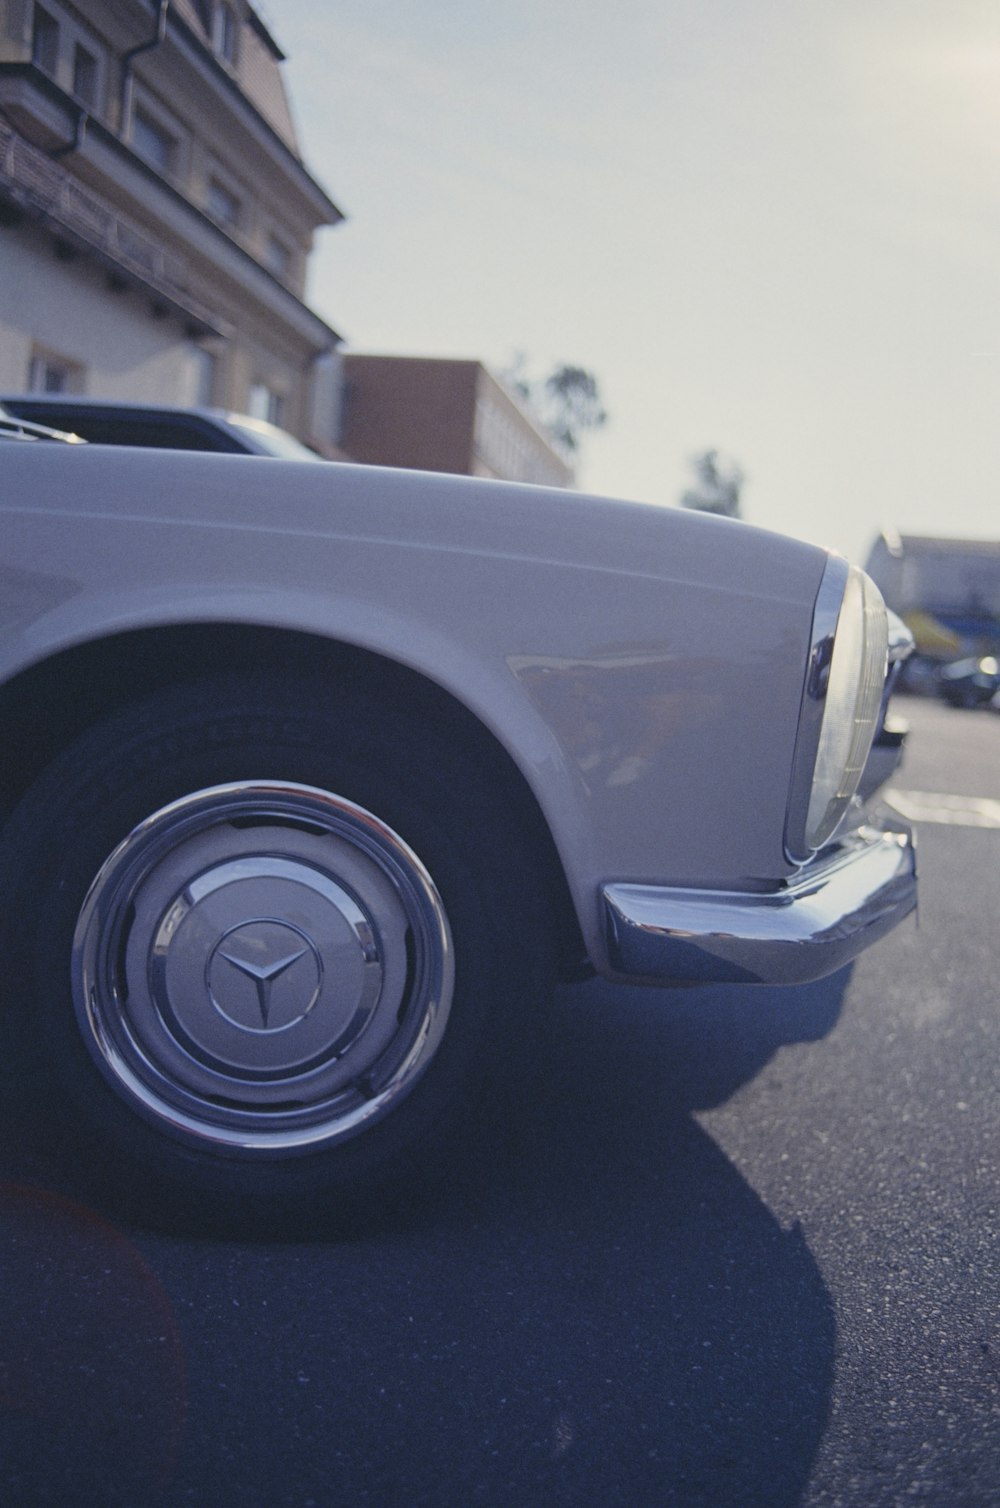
x=971, y=682
x=158, y=426
x=920, y=676
x=315, y=777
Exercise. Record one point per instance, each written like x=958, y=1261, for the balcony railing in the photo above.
x=45, y=190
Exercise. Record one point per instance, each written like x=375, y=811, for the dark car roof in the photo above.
x=13, y=427
x=158, y=426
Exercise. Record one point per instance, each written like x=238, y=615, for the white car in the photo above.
x=315, y=776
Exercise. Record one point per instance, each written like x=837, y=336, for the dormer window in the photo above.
x=224, y=33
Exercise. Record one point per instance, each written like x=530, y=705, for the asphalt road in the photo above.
x=738, y=1248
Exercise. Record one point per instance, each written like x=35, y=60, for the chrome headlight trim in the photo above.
x=841, y=702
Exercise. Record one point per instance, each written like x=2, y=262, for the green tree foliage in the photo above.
x=718, y=486
x=567, y=402
x=573, y=404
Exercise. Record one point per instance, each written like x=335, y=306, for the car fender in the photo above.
x=642, y=667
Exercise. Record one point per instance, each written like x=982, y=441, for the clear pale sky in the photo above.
x=768, y=226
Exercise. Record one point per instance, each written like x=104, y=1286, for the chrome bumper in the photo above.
x=817, y=922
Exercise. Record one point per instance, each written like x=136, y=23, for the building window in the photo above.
x=44, y=40
x=85, y=76
x=265, y=403
x=222, y=204
x=224, y=33
x=277, y=257
x=506, y=446
x=48, y=373
x=154, y=143
x=205, y=364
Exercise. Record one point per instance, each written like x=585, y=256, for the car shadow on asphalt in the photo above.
x=685, y=1339
x=594, y=1307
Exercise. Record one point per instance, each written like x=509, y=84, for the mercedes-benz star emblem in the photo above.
x=264, y=953
x=263, y=975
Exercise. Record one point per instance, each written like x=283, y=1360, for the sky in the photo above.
x=768, y=227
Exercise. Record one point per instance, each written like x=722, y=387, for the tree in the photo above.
x=717, y=487
x=567, y=402
x=573, y=404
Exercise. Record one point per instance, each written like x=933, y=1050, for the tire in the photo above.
x=278, y=934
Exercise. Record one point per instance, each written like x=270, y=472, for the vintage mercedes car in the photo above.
x=314, y=777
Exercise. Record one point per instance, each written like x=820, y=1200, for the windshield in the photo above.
x=272, y=440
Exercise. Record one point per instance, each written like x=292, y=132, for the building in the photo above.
x=155, y=214
x=948, y=590
x=442, y=415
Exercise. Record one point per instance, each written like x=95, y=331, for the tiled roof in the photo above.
x=258, y=70
x=260, y=77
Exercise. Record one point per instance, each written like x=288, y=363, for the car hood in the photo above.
x=425, y=510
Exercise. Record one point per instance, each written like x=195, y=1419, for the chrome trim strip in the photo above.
x=901, y=641
x=811, y=927
x=826, y=614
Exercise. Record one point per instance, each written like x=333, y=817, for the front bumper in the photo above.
x=814, y=924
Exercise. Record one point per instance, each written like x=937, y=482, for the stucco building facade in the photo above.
x=156, y=216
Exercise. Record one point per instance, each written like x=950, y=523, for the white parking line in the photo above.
x=935, y=806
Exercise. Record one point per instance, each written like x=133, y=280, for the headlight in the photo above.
x=840, y=707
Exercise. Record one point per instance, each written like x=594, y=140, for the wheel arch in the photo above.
x=46, y=706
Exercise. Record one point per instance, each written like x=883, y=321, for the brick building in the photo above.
x=440, y=415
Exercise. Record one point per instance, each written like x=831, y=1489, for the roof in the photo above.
x=934, y=544
x=258, y=62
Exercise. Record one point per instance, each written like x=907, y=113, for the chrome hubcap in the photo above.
x=263, y=966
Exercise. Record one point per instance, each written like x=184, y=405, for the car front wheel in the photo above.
x=270, y=947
